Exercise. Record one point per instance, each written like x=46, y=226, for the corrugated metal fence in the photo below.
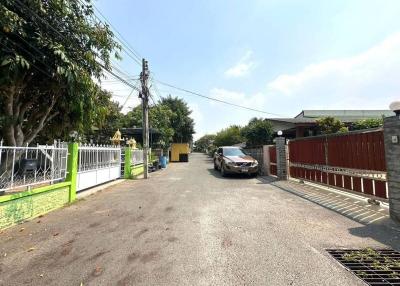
x=354, y=161
x=258, y=154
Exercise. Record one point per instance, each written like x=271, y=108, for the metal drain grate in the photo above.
x=374, y=266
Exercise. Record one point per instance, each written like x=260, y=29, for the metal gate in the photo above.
x=353, y=161
x=272, y=160
x=97, y=165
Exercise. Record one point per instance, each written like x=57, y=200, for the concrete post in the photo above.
x=72, y=170
x=266, y=160
x=391, y=130
x=281, y=163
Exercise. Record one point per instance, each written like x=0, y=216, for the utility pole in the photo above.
x=144, y=75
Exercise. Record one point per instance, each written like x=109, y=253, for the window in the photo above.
x=234, y=152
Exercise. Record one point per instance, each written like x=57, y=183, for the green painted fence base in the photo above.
x=28, y=205
x=131, y=171
x=137, y=170
x=19, y=207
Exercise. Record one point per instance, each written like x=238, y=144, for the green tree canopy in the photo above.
x=258, y=132
x=52, y=53
x=204, y=142
x=368, y=123
x=159, y=118
x=170, y=116
x=108, y=118
x=329, y=125
x=229, y=136
x=180, y=121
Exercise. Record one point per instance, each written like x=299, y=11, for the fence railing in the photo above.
x=91, y=157
x=353, y=161
x=23, y=167
x=137, y=157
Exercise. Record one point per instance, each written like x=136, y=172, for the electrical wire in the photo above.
x=216, y=99
x=136, y=56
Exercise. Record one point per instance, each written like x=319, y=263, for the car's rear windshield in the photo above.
x=233, y=152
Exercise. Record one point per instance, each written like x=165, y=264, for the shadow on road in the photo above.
x=386, y=232
x=217, y=174
x=376, y=224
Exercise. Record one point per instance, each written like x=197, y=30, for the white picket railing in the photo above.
x=97, y=157
x=97, y=164
x=24, y=167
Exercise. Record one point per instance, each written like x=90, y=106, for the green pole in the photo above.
x=127, y=164
x=72, y=169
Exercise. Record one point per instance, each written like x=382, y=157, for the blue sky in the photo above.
x=280, y=56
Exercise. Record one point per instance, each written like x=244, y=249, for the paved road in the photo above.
x=186, y=226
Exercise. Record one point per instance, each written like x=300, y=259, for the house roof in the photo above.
x=307, y=117
x=294, y=120
x=345, y=115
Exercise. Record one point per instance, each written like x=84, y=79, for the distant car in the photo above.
x=233, y=160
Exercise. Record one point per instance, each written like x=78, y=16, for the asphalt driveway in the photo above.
x=187, y=226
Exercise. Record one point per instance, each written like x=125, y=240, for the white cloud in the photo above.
x=367, y=80
x=242, y=68
x=240, y=98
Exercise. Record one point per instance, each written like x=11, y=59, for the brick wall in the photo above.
x=281, y=161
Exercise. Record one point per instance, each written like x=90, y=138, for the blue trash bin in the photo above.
x=163, y=161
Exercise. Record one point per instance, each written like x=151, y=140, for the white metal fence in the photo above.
x=137, y=157
x=97, y=164
x=23, y=167
x=98, y=156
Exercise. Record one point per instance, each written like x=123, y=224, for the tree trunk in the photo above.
x=9, y=110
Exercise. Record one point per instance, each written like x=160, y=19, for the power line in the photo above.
x=155, y=87
x=126, y=100
x=120, y=78
x=136, y=56
x=215, y=99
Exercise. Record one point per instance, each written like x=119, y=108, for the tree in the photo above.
x=52, y=54
x=229, y=136
x=159, y=118
x=170, y=116
x=367, y=123
x=258, y=132
x=107, y=119
x=329, y=125
x=204, y=143
x=180, y=121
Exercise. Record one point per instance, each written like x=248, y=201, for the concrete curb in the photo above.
x=91, y=191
